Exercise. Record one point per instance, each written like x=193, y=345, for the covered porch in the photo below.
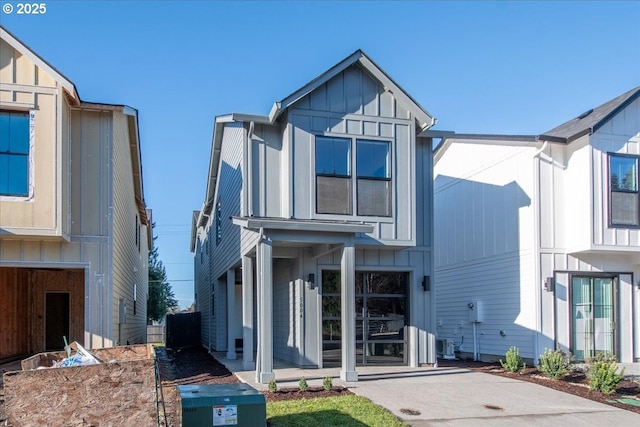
x=292, y=247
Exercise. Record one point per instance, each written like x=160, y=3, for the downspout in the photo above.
x=475, y=343
x=249, y=166
x=258, y=300
x=536, y=240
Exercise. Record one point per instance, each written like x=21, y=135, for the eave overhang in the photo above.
x=423, y=118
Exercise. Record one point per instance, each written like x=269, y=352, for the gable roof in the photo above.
x=424, y=119
x=18, y=45
x=71, y=94
x=591, y=120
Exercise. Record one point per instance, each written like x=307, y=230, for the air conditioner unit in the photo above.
x=445, y=348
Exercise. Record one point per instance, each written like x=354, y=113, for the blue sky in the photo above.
x=479, y=67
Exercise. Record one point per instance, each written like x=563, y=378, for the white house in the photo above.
x=74, y=228
x=314, y=241
x=541, y=235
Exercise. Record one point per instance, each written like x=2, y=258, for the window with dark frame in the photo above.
x=373, y=169
x=334, y=184
x=333, y=176
x=624, y=198
x=14, y=153
x=218, y=223
x=135, y=229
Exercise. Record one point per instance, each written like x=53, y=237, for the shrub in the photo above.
x=555, y=364
x=273, y=387
x=513, y=360
x=602, y=374
x=302, y=384
x=327, y=383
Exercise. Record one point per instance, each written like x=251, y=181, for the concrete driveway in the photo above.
x=455, y=397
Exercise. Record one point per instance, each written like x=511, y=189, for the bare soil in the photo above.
x=196, y=366
x=190, y=366
x=292, y=393
x=576, y=383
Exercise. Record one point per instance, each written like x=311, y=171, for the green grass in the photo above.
x=349, y=411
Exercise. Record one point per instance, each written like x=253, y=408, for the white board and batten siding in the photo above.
x=484, y=232
x=620, y=135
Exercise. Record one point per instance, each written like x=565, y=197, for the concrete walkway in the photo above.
x=455, y=397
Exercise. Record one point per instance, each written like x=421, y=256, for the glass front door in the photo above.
x=381, y=315
x=592, y=316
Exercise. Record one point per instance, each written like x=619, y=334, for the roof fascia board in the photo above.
x=425, y=119
x=449, y=138
x=613, y=113
x=551, y=138
x=18, y=45
x=216, y=147
x=194, y=230
x=242, y=117
x=495, y=137
x=430, y=133
x=587, y=131
x=216, y=143
x=106, y=107
x=136, y=163
x=278, y=107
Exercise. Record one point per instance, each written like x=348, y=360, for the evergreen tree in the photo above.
x=161, y=297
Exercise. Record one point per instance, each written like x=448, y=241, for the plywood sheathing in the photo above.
x=117, y=393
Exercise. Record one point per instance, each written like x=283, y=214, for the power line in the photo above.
x=169, y=280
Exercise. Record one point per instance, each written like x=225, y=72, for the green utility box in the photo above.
x=222, y=405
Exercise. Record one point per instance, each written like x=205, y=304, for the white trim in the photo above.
x=39, y=62
x=283, y=224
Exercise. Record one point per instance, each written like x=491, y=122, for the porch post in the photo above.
x=348, y=317
x=231, y=305
x=247, y=314
x=264, y=371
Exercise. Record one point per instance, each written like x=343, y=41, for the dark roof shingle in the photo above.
x=592, y=120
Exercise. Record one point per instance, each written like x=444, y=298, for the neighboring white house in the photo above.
x=314, y=242
x=541, y=235
x=74, y=229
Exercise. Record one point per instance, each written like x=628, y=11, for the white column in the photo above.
x=231, y=318
x=264, y=370
x=248, y=363
x=348, y=318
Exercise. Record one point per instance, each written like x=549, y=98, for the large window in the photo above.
x=624, y=203
x=334, y=194
x=333, y=175
x=14, y=153
x=381, y=315
x=373, y=167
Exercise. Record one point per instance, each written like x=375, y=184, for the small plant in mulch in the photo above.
x=513, y=361
x=327, y=383
x=555, y=364
x=602, y=374
x=273, y=386
x=302, y=384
